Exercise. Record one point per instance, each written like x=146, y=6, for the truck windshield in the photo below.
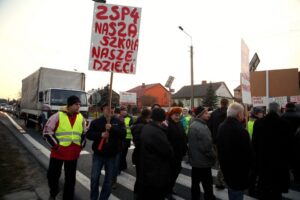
x=59, y=97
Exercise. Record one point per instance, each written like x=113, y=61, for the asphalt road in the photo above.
x=20, y=172
x=38, y=147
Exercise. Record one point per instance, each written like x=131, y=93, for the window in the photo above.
x=41, y=96
x=59, y=97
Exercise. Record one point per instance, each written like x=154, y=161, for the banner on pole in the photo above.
x=115, y=38
x=245, y=76
x=128, y=98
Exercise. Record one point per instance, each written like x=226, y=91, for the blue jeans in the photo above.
x=235, y=194
x=117, y=165
x=109, y=165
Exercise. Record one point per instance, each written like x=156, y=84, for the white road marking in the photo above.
x=131, y=146
x=292, y=194
x=15, y=124
x=83, y=152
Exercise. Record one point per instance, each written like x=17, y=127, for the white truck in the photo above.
x=46, y=90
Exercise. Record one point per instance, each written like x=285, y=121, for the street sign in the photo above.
x=169, y=81
x=254, y=63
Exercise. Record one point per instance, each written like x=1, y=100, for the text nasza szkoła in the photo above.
x=117, y=45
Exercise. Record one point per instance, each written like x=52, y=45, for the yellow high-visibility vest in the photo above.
x=187, y=119
x=250, y=125
x=128, y=130
x=65, y=133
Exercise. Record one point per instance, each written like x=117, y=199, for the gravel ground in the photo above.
x=19, y=171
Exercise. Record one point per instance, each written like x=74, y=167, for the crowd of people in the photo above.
x=259, y=155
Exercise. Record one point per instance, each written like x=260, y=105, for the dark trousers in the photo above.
x=204, y=176
x=150, y=193
x=123, y=162
x=136, y=184
x=175, y=170
x=253, y=184
x=266, y=194
x=53, y=175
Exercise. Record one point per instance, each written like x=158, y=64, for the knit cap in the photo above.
x=72, y=100
x=174, y=110
x=199, y=111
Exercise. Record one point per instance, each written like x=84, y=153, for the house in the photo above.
x=184, y=94
x=150, y=94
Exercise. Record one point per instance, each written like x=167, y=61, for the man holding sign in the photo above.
x=114, y=46
x=108, y=133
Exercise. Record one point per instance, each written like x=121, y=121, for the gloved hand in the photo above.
x=105, y=134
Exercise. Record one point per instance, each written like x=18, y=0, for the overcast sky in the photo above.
x=57, y=34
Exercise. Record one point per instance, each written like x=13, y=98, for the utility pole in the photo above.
x=192, y=66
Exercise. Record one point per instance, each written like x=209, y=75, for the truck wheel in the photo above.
x=42, y=121
x=28, y=123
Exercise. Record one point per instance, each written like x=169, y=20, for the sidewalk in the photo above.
x=21, y=176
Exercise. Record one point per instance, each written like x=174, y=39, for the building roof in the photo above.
x=140, y=90
x=237, y=88
x=199, y=90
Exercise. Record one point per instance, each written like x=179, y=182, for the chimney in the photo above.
x=204, y=82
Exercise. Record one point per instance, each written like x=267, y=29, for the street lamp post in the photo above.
x=192, y=67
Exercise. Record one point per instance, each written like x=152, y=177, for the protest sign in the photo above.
x=115, y=38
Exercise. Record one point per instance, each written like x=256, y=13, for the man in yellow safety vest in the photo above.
x=256, y=113
x=65, y=133
x=128, y=121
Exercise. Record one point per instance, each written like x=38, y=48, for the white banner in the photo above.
x=127, y=98
x=295, y=99
x=259, y=101
x=245, y=75
x=262, y=101
x=245, y=88
x=282, y=101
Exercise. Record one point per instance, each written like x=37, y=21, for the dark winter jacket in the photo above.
x=177, y=138
x=272, y=146
x=155, y=157
x=116, y=133
x=293, y=118
x=216, y=118
x=136, y=130
x=234, y=153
